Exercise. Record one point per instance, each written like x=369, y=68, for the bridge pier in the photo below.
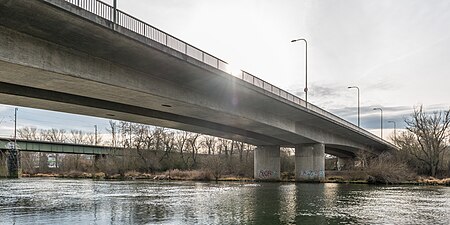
x=97, y=159
x=310, y=162
x=267, y=162
x=13, y=161
x=3, y=164
x=345, y=163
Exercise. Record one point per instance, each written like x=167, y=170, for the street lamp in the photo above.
x=395, y=129
x=15, y=129
x=381, y=122
x=359, y=107
x=114, y=12
x=306, y=68
x=95, y=129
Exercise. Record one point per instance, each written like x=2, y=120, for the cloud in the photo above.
x=380, y=85
x=323, y=94
x=45, y=119
x=370, y=119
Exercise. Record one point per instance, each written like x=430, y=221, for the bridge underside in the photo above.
x=56, y=56
x=43, y=80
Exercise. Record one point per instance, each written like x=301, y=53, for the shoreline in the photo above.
x=146, y=176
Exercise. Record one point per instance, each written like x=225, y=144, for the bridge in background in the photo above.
x=7, y=165
x=57, y=147
x=87, y=57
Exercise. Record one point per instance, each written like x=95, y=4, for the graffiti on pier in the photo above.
x=266, y=174
x=312, y=173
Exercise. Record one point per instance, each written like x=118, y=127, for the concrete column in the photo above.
x=3, y=167
x=97, y=159
x=310, y=162
x=267, y=162
x=14, y=168
x=344, y=163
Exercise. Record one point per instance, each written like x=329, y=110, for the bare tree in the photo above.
x=233, y=143
x=209, y=142
x=223, y=146
x=143, y=142
x=240, y=148
x=181, y=144
x=249, y=152
x=126, y=134
x=168, y=140
x=216, y=165
x=77, y=137
x=28, y=133
x=29, y=159
x=431, y=132
x=193, y=147
x=54, y=135
x=93, y=139
x=113, y=127
x=158, y=138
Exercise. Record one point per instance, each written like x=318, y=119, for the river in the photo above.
x=67, y=201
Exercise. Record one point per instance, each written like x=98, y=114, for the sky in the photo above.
x=396, y=51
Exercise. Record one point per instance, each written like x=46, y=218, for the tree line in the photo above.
x=424, y=149
x=147, y=149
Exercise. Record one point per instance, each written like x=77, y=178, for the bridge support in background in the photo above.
x=345, y=163
x=13, y=161
x=97, y=159
x=267, y=162
x=310, y=162
x=3, y=164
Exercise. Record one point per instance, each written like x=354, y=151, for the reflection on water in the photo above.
x=57, y=201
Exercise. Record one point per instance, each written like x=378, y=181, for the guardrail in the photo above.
x=131, y=23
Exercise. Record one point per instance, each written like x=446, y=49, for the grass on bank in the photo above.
x=351, y=176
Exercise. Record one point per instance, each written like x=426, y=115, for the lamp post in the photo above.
x=381, y=122
x=95, y=140
x=395, y=129
x=115, y=13
x=306, y=68
x=359, y=107
x=15, y=129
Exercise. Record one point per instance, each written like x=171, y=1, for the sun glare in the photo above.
x=234, y=70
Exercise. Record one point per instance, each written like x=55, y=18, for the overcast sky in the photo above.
x=396, y=51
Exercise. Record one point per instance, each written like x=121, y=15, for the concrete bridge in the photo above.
x=86, y=57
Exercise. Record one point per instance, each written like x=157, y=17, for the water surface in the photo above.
x=66, y=201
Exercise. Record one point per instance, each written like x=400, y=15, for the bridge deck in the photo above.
x=90, y=49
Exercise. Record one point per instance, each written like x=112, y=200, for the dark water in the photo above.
x=56, y=201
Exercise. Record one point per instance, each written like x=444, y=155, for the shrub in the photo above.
x=387, y=169
x=189, y=174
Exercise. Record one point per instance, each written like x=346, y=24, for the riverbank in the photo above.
x=196, y=175
x=191, y=175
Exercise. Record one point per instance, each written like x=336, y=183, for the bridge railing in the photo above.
x=99, y=8
x=131, y=23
